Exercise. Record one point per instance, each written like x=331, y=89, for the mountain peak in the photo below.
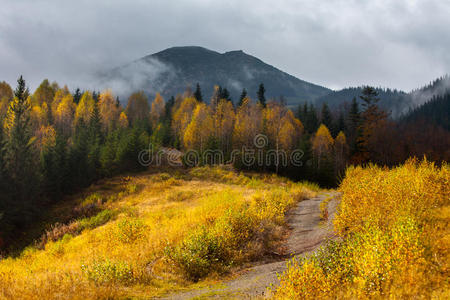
x=171, y=70
x=234, y=52
x=183, y=51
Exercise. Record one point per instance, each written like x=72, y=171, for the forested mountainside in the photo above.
x=397, y=102
x=435, y=111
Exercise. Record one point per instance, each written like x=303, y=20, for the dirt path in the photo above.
x=307, y=234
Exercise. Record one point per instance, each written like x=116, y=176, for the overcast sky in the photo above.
x=400, y=43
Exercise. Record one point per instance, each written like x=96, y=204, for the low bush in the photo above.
x=394, y=238
x=101, y=218
x=198, y=254
x=105, y=271
x=130, y=230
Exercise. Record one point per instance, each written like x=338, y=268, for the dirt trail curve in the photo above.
x=307, y=234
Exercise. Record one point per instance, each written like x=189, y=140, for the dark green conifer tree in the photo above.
x=19, y=155
x=261, y=95
x=312, y=122
x=242, y=97
x=95, y=139
x=77, y=96
x=340, y=125
x=198, y=93
x=354, y=119
x=327, y=118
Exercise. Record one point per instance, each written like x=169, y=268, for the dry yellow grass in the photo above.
x=156, y=233
x=395, y=229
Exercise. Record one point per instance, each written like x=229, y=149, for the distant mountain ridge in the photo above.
x=397, y=102
x=172, y=70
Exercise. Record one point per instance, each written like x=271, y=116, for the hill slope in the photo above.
x=172, y=70
x=155, y=232
x=436, y=111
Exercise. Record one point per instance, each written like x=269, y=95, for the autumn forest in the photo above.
x=74, y=186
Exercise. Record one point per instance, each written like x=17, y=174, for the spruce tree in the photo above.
x=77, y=96
x=242, y=97
x=95, y=124
x=19, y=162
x=54, y=168
x=5, y=199
x=312, y=122
x=225, y=94
x=302, y=112
x=61, y=164
x=371, y=118
x=168, y=109
x=354, y=119
x=198, y=93
x=108, y=153
x=95, y=139
x=78, y=156
x=340, y=124
x=326, y=118
x=261, y=95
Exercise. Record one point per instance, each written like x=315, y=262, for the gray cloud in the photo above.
x=132, y=77
x=402, y=44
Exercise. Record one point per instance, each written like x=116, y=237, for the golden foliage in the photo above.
x=341, y=151
x=123, y=120
x=273, y=115
x=6, y=91
x=12, y=118
x=59, y=95
x=224, y=117
x=394, y=226
x=248, y=123
x=200, y=129
x=44, y=93
x=322, y=143
x=291, y=131
x=109, y=111
x=38, y=116
x=158, y=110
x=6, y=95
x=46, y=137
x=84, y=108
x=64, y=114
x=183, y=116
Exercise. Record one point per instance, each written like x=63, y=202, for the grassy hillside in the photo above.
x=395, y=230
x=144, y=235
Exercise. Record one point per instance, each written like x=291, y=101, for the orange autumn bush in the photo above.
x=394, y=238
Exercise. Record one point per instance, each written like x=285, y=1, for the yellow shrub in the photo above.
x=395, y=238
